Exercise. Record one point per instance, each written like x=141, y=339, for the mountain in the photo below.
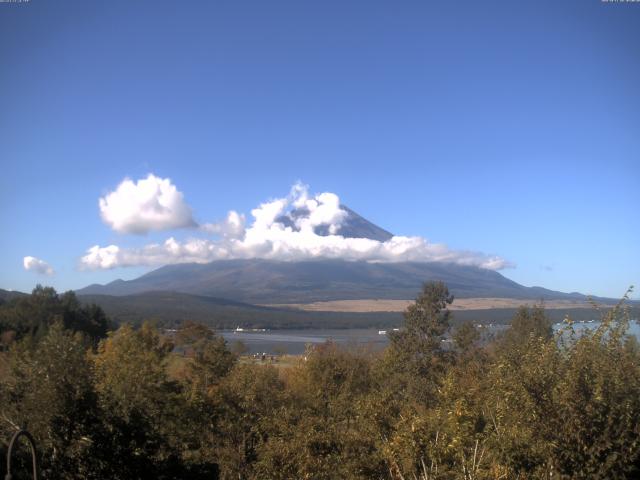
x=6, y=295
x=260, y=281
x=353, y=226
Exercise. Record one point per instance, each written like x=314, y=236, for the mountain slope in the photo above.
x=260, y=281
x=270, y=281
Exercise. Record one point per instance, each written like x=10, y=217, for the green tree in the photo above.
x=142, y=408
x=596, y=430
x=528, y=322
x=33, y=315
x=465, y=339
x=568, y=408
x=246, y=402
x=415, y=355
x=210, y=359
x=321, y=432
x=49, y=390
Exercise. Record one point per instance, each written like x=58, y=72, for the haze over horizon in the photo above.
x=138, y=134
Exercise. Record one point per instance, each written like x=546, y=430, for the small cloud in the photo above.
x=33, y=264
x=150, y=204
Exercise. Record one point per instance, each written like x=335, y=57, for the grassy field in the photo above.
x=382, y=305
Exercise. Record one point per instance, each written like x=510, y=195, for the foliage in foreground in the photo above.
x=140, y=405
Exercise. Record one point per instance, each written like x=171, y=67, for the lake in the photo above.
x=293, y=342
x=634, y=327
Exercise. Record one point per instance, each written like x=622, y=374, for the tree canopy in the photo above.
x=438, y=403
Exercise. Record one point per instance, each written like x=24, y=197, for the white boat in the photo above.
x=382, y=332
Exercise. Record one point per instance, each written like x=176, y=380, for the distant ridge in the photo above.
x=6, y=295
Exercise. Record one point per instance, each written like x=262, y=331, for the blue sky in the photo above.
x=506, y=128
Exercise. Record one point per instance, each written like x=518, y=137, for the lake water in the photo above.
x=634, y=327
x=294, y=342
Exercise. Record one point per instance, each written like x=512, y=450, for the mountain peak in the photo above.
x=353, y=225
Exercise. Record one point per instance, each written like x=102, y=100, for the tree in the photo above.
x=141, y=406
x=321, y=431
x=568, y=409
x=465, y=339
x=49, y=390
x=33, y=315
x=595, y=431
x=416, y=349
x=210, y=359
x=246, y=402
x=528, y=322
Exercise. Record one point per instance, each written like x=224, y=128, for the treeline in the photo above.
x=527, y=405
x=31, y=316
x=171, y=309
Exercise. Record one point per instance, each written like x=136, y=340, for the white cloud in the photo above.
x=265, y=215
x=102, y=257
x=33, y=264
x=171, y=251
x=151, y=203
x=287, y=229
x=323, y=210
x=232, y=227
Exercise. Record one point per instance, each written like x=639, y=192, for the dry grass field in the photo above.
x=399, y=305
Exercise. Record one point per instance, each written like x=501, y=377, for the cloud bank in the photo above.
x=152, y=203
x=296, y=227
x=33, y=264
